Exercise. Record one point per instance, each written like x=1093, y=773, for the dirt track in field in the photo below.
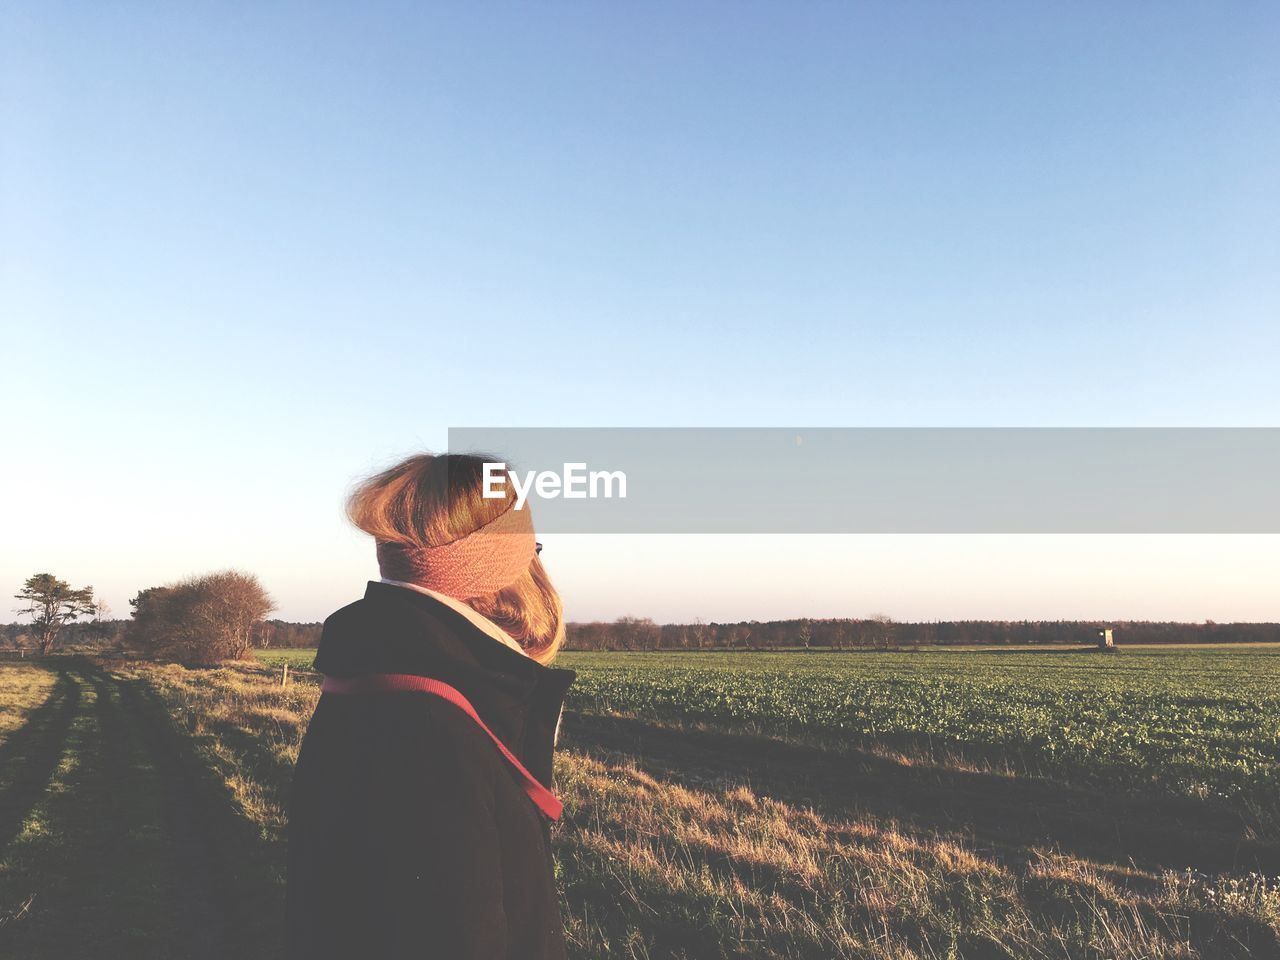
x=114, y=832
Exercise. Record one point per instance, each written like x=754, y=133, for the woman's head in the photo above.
x=428, y=502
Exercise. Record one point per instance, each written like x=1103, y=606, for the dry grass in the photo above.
x=678, y=864
x=244, y=725
x=653, y=868
x=672, y=848
x=23, y=687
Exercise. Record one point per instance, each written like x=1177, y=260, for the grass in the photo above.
x=689, y=833
x=913, y=805
x=112, y=842
x=1198, y=722
x=300, y=657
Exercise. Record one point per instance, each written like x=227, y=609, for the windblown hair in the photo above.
x=428, y=501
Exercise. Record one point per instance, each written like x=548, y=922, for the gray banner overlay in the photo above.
x=899, y=480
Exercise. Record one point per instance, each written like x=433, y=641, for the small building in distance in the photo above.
x=1105, y=640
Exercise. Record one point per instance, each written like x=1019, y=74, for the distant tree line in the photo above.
x=221, y=616
x=641, y=633
x=882, y=632
x=91, y=635
x=110, y=636
x=200, y=620
x=282, y=635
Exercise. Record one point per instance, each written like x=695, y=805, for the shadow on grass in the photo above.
x=1007, y=820
x=143, y=850
x=1001, y=816
x=235, y=895
x=29, y=757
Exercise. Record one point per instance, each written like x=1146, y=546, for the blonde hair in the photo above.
x=429, y=500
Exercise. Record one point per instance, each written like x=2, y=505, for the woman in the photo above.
x=411, y=832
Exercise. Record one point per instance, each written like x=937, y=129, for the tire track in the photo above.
x=200, y=895
x=33, y=753
x=142, y=851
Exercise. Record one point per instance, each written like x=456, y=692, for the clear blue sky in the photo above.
x=250, y=252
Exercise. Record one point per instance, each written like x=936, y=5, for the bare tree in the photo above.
x=881, y=625
x=51, y=604
x=698, y=633
x=202, y=619
x=99, y=629
x=838, y=632
x=806, y=634
x=265, y=634
x=636, y=633
x=231, y=603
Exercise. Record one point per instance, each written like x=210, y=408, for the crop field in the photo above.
x=938, y=804
x=1198, y=722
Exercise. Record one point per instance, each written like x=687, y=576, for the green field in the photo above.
x=937, y=804
x=301, y=657
x=1199, y=722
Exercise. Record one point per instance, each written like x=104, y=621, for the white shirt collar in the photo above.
x=483, y=623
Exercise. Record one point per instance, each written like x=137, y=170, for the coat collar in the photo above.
x=481, y=623
x=394, y=630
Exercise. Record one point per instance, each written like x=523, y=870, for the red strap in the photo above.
x=545, y=800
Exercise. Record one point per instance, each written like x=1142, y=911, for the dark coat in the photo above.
x=409, y=834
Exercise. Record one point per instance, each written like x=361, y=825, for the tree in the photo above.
x=201, y=619
x=265, y=635
x=51, y=604
x=698, y=633
x=636, y=633
x=838, y=632
x=881, y=626
x=100, y=629
x=231, y=603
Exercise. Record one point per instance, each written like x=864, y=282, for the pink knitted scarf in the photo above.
x=479, y=564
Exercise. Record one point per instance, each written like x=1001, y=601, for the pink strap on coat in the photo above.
x=544, y=799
